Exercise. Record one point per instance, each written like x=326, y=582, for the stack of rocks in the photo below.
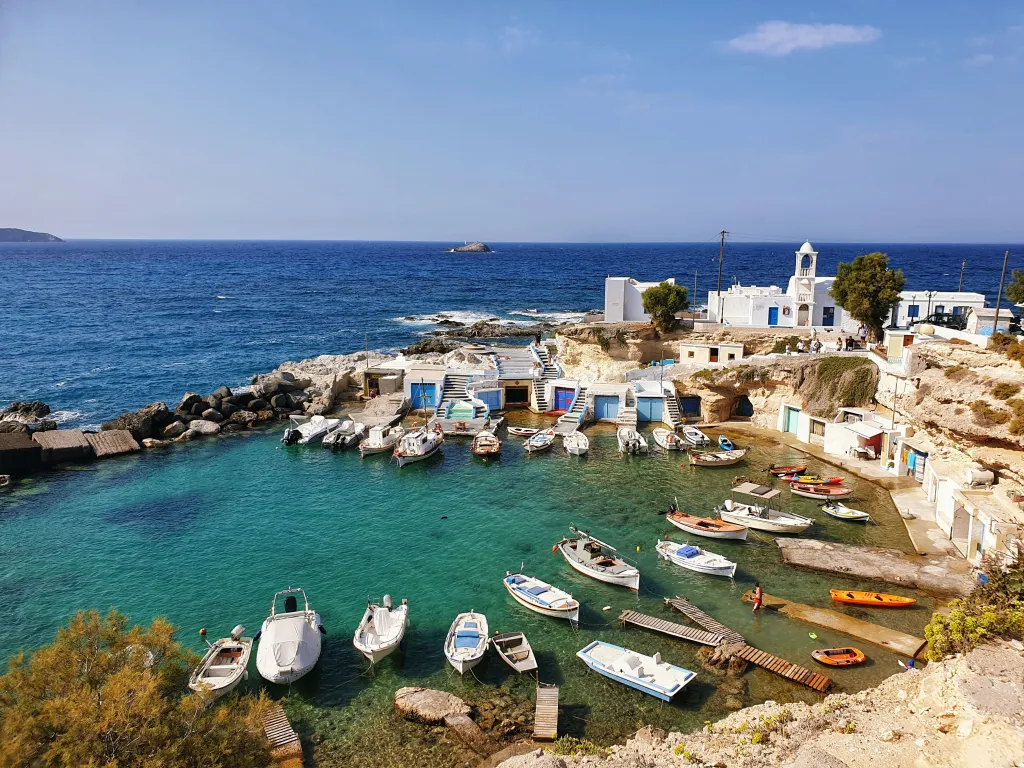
x=26, y=417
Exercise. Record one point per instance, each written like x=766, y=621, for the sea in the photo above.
x=204, y=533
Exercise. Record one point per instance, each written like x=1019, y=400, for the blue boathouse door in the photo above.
x=649, y=408
x=773, y=315
x=423, y=396
x=563, y=398
x=606, y=406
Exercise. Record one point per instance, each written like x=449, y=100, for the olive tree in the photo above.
x=662, y=302
x=867, y=289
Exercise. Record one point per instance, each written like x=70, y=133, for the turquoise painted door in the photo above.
x=648, y=408
x=792, y=419
x=773, y=315
x=606, y=406
x=423, y=396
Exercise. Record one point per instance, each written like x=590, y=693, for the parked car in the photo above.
x=946, y=320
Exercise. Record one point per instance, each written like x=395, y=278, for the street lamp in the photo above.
x=929, y=294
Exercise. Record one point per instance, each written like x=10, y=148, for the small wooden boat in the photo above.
x=541, y=441
x=876, y=599
x=630, y=441
x=667, y=439
x=696, y=559
x=541, y=597
x=598, y=560
x=839, y=657
x=522, y=431
x=789, y=469
x=486, y=444
x=760, y=510
x=694, y=436
x=840, y=511
x=382, y=439
x=811, y=479
x=576, y=443
x=382, y=628
x=716, y=458
x=725, y=443
x=648, y=674
x=706, y=526
x=821, y=491
x=223, y=666
x=515, y=651
x=466, y=642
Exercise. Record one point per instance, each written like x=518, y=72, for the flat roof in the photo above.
x=864, y=430
x=993, y=506
x=759, y=491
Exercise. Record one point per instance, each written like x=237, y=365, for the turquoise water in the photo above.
x=205, y=532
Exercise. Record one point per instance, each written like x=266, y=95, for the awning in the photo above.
x=867, y=431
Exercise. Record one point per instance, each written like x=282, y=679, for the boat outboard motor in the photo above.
x=237, y=632
x=386, y=602
x=291, y=436
x=291, y=604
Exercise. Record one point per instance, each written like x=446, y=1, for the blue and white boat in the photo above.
x=725, y=443
x=541, y=597
x=648, y=674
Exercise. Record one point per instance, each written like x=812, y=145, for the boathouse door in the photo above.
x=649, y=408
x=563, y=398
x=773, y=315
x=606, y=406
x=792, y=419
x=423, y=396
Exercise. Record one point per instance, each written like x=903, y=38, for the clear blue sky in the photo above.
x=574, y=120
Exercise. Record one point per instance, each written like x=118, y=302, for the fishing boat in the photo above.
x=576, y=443
x=522, y=431
x=307, y=430
x=716, y=458
x=789, y=469
x=466, y=641
x=705, y=526
x=381, y=629
x=346, y=434
x=541, y=597
x=840, y=511
x=486, y=444
x=648, y=674
x=695, y=559
x=820, y=491
x=417, y=445
x=694, y=436
x=596, y=559
x=382, y=439
x=515, y=650
x=725, y=443
x=289, y=641
x=631, y=442
x=811, y=479
x=668, y=440
x=541, y=441
x=839, y=657
x=223, y=666
x=876, y=599
x=759, y=510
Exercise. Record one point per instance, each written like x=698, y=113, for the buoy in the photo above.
x=202, y=632
x=606, y=608
x=812, y=636
x=637, y=547
x=444, y=517
x=554, y=548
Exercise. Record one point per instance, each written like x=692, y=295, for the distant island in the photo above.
x=11, y=235
x=476, y=247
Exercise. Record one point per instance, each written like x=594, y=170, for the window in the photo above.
x=689, y=353
x=914, y=310
x=732, y=355
x=817, y=428
x=940, y=308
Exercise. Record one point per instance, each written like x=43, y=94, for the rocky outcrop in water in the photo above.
x=426, y=705
x=148, y=421
x=476, y=247
x=488, y=329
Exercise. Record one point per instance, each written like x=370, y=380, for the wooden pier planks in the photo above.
x=545, y=718
x=786, y=669
x=697, y=616
x=670, y=628
x=284, y=742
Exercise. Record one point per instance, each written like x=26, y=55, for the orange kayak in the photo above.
x=839, y=657
x=877, y=599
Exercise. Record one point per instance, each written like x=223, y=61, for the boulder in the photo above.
x=141, y=423
x=46, y=425
x=174, y=429
x=427, y=705
x=10, y=426
x=34, y=408
x=199, y=407
x=188, y=400
x=230, y=426
x=243, y=417
x=202, y=427
x=282, y=401
x=212, y=414
x=258, y=404
x=152, y=442
x=211, y=401
x=227, y=408
x=222, y=392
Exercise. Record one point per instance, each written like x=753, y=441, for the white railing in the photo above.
x=804, y=272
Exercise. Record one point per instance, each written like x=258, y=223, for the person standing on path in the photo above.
x=758, y=596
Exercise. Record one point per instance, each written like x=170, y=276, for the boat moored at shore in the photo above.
x=668, y=440
x=759, y=510
x=307, y=430
x=541, y=597
x=598, y=560
x=696, y=559
x=381, y=629
x=466, y=642
x=417, y=445
x=576, y=443
x=289, y=642
x=224, y=665
x=382, y=439
x=647, y=674
x=631, y=442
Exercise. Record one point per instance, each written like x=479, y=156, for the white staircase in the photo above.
x=548, y=373
x=627, y=414
x=452, y=389
x=674, y=417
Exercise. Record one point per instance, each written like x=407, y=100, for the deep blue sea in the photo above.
x=95, y=328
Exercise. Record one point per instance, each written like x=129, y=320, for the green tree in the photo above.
x=662, y=302
x=867, y=289
x=1015, y=289
x=105, y=695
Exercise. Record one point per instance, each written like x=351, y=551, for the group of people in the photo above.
x=844, y=343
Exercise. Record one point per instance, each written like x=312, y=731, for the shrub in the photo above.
x=986, y=415
x=705, y=375
x=956, y=372
x=838, y=382
x=662, y=302
x=1004, y=390
x=782, y=342
x=570, y=746
x=603, y=341
x=1017, y=427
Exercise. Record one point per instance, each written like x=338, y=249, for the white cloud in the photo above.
x=518, y=37
x=778, y=38
x=981, y=60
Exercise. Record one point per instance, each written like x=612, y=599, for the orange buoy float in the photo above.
x=554, y=548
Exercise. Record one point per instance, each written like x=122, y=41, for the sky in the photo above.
x=577, y=120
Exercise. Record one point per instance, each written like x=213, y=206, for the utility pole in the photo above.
x=999, y=296
x=962, y=265
x=693, y=303
x=721, y=256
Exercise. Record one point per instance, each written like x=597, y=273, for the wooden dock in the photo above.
x=703, y=620
x=670, y=628
x=903, y=644
x=783, y=668
x=545, y=719
x=284, y=742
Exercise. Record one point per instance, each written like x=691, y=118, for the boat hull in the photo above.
x=708, y=533
x=365, y=451
x=847, y=514
x=631, y=581
x=870, y=599
x=727, y=568
x=659, y=693
x=555, y=613
x=816, y=491
x=404, y=459
x=761, y=524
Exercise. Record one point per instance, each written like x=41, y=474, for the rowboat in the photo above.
x=381, y=630
x=515, y=650
x=760, y=510
x=667, y=439
x=382, y=439
x=598, y=560
x=839, y=657
x=725, y=443
x=576, y=443
x=466, y=641
x=647, y=674
x=696, y=559
x=789, y=469
x=541, y=597
x=223, y=666
x=694, y=436
x=716, y=458
x=290, y=640
x=541, y=441
x=706, y=526
x=876, y=599
x=522, y=431
x=821, y=491
x=811, y=479
x=630, y=441
x=840, y=511
x=486, y=444
x=417, y=445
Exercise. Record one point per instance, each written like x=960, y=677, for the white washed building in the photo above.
x=915, y=306
x=623, y=299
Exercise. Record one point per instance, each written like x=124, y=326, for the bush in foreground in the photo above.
x=104, y=694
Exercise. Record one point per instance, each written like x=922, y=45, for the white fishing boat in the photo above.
x=541, y=597
x=631, y=442
x=716, y=458
x=760, y=511
x=541, y=441
x=696, y=559
x=346, y=434
x=307, y=430
x=522, y=431
x=224, y=665
x=704, y=526
x=289, y=641
x=840, y=511
x=382, y=629
x=576, y=443
x=648, y=674
x=667, y=439
x=466, y=641
x=417, y=445
x=382, y=439
x=598, y=560
x=694, y=436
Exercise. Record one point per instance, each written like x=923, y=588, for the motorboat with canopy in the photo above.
x=759, y=509
x=289, y=642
